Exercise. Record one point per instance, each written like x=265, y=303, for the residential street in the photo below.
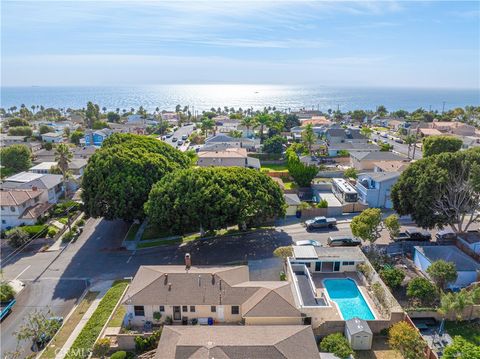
x=183, y=130
x=399, y=147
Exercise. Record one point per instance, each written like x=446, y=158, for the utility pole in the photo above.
x=415, y=143
x=443, y=107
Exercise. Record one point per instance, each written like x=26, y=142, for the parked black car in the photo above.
x=343, y=242
x=413, y=234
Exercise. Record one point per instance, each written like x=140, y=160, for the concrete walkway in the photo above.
x=102, y=288
x=132, y=245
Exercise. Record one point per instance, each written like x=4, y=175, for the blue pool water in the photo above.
x=350, y=301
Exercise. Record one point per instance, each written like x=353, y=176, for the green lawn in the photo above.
x=153, y=232
x=276, y=167
x=132, y=231
x=64, y=333
x=468, y=331
x=159, y=242
x=118, y=316
x=87, y=337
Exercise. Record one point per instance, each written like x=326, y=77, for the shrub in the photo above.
x=119, y=355
x=34, y=230
x=17, y=237
x=101, y=347
x=143, y=344
x=393, y=277
x=337, y=344
x=407, y=340
x=157, y=315
x=421, y=289
x=365, y=269
x=379, y=293
x=283, y=252
x=322, y=204
x=81, y=222
x=67, y=237
x=52, y=231
x=283, y=276
x=6, y=292
x=442, y=273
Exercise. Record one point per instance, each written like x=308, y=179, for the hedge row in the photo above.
x=85, y=341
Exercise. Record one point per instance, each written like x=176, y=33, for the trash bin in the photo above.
x=210, y=321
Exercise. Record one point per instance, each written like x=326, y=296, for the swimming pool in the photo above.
x=350, y=301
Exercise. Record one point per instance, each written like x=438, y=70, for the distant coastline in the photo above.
x=204, y=97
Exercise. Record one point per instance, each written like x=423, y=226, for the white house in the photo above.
x=52, y=137
x=222, y=142
x=467, y=268
x=52, y=185
x=21, y=207
x=42, y=167
x=374, y=188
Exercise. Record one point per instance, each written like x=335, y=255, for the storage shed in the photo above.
x=358, y=334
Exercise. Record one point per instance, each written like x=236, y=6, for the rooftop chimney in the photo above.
x=188, y=261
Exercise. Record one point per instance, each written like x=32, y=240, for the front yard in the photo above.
x=467, y=330
x=275, y=167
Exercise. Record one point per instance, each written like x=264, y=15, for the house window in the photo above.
x=348, y=263
x=3, y=208
x=213, y=309
x=235, y=309
x=139, y=310
x=12, y=209
x=184, y=308
x=162, y=308
x=3, y=221
x=192, y=308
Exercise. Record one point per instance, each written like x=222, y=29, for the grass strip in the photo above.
x=83, y=345
x=64, y=333
x=132, y=231
x=160, y=242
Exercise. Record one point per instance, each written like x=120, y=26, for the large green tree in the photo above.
x=20, y=131
x=441, y=190
x=308, y=137
x=15, y=158
x=213, y=198
x=461, y=349
x=120, y=175
x=274, y=144
x=434, y=145
x=442, y=273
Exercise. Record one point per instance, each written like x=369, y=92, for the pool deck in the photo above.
x=334, y=314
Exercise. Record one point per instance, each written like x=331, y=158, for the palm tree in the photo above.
x=207, y=125
x=366, y=131
x=447, y=304
x=262, y=120
x=63, y=156
x=248, y=122
x=308, y=137
x=463, y=299
x=409, y=140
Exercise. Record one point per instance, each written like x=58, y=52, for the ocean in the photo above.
x=204, y=97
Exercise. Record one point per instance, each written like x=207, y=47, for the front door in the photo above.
x=336, y=266
x=177, y=314
x=220, y=313
x=318, y=266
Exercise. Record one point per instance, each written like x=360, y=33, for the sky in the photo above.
x=360, y=43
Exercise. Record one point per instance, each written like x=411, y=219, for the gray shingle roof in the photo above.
x=462, y=261
x=237, y=342
x=376, y=156
x=357, y=325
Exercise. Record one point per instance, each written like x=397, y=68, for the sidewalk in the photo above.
x=102, y=288
x=132, y=245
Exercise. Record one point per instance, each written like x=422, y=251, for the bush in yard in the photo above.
x=101, y=348
x=421, y=289
x=81, y=222
x=157, y=316
x=143, y=344
x=283, y=252
x=337, y=344
x=6, y=292
x=442, y=273
x=322, y=204
x=274, y=144
x=462, y=349
x=392, y=277
x=52, y=231
x=34, y=230
x=16, y=158
x=379, y=293
x=119, y=355
x=17, y=237
x=406, y=339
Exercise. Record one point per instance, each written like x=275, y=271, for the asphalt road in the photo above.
x=184, y=130
x=399, y=147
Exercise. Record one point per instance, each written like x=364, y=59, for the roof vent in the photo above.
x=213, y=278
x=169, y=286
x=166, y=279
x=199, y=280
